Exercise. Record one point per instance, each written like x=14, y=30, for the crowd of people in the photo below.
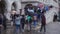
x=32, y=15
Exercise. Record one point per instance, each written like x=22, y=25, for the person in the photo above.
x=22, y=22
x=1, y=22
x=29, y=19
x=30, y=11
x=43, y=21
x=4, y=22
x=13, y=16
x=39, y=13
x=55, y=17
x=17, y=23
x=35, y=19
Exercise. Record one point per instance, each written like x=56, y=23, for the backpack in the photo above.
x=29, y=18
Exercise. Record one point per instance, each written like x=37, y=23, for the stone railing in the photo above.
x=30, y=0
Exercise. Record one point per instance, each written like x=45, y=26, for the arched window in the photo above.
x=13, y=6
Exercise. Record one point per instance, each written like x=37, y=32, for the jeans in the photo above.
x=22, y=25
x=29, y=26
x=39, y=16
x=43, y=26
x=35, y=23
x=17, y=28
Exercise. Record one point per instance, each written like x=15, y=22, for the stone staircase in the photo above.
x=9, y=29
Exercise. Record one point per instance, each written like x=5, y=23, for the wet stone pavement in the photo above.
x=51, y=28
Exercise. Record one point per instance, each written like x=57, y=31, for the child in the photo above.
x=22, y=22
x=17, y=23
x=38, y=12
x=35, y=19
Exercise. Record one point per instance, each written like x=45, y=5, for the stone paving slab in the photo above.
x=51, y=28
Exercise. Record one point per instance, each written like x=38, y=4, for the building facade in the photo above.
x=11, y=4
x=20, y=4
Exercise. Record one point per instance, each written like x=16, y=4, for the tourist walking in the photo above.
x=17, y=24
x=43, y=21
x=22, y=22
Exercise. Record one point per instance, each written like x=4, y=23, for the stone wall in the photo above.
x=9, y=5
